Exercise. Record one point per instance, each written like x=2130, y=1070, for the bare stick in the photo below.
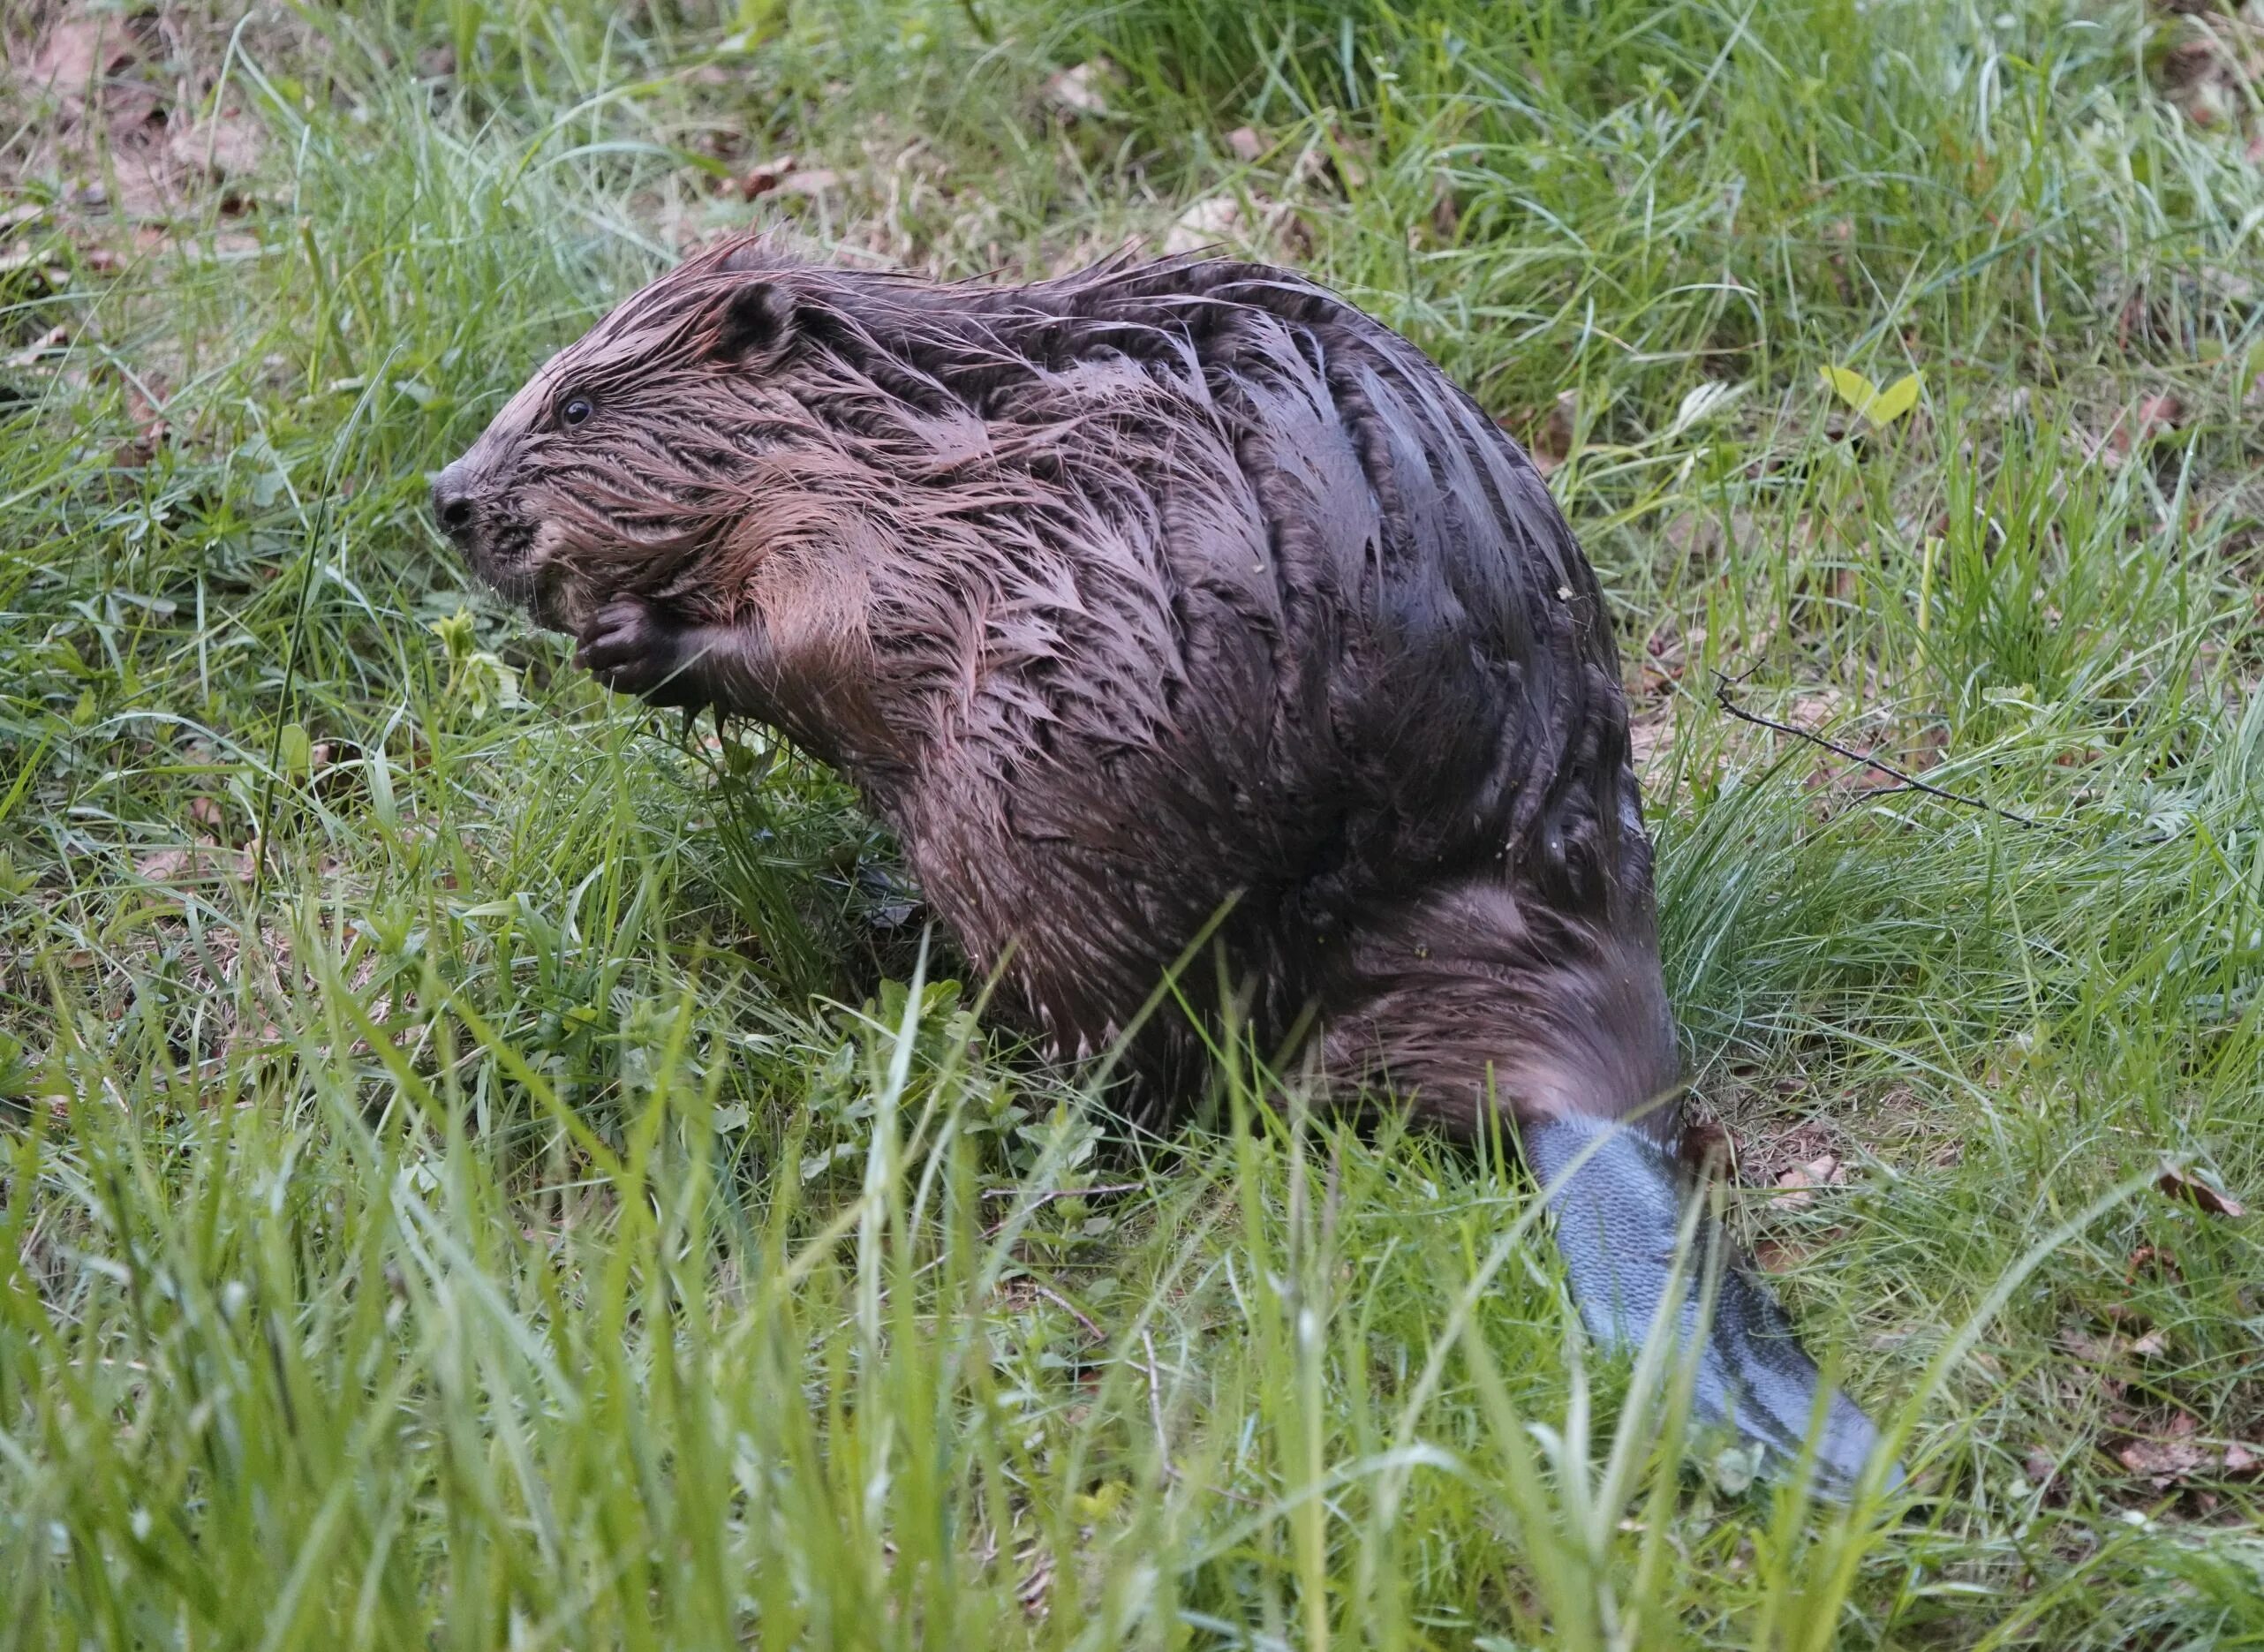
x=1910, y=782
x=1052, y=1194
x=1047, y=1198
x=1070, y=1309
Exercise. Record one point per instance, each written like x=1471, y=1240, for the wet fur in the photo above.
x=1125, y=597
x=1122, y=596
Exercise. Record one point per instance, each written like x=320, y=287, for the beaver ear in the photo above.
x=752, y=321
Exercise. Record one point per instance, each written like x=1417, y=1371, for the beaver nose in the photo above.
x=452, y=505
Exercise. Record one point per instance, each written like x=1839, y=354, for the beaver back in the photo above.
x=1128, y=597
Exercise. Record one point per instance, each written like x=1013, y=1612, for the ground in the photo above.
x=483, y=1166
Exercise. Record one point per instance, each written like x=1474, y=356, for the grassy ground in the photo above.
x=467, y=1178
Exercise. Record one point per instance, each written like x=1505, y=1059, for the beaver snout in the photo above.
x=454, y=507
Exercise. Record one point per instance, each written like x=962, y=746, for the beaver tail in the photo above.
x=1618, y=1212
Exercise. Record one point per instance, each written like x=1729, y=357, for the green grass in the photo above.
x=472, y=1173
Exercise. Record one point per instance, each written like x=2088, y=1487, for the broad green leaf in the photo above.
x=294, y=753
x=1896, y=400
x=1851, y=387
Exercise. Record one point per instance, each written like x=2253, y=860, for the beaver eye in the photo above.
x=576, y=410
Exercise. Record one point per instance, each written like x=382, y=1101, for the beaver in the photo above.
x=1135, y=597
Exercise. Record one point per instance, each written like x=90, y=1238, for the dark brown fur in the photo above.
x=1140, y=594
x=1122, y=596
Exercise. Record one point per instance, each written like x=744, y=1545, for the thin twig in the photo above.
x=1155, y=1396
x=1047, y=1198
x=1910, y=782
x=1070, y=1309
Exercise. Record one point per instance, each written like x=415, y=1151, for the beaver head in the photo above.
x=634, y=455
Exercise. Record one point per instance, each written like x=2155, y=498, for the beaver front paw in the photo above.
x=632, y=647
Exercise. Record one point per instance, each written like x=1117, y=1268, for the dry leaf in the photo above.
x=2157, y=1259
x=1245, y=145
x=52, y=342
x=1800, y=1182
x=1550, y=441
x=166, y=863
x=2162, y=1461
x=228, y=146
x=1650, y=733
x=1811, y=711
x=1777, y=1256
x=1210, y=221
x=79, y=51
x=1083, y=88
x=2157, y=414
x=2178, y=1454
x=765, y=176
x=2154, y=416
x=2180, y=1183
x=200, y=860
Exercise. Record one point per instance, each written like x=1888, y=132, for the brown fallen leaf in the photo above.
x=1813, y=712
x=1244, y=144
x=2108, y=1350
x=1650, y=733
x=194, y=861
x=228, y=146
x=2180, y=1183
x=52, y=342
x=2178, y=1454
x=809, y=182
x=2154, y=416
x=2177, y=1457
x=2155, y=1259
x=1799, y=1184
x=165, y=865
x=1083, y=88
x=79, y=51
x=765, y=176
x=1775, y=1255
x=1550, y=440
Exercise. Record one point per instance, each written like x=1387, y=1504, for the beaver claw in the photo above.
x=632, y=647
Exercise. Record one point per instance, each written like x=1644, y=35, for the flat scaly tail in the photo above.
x=1618, y=1218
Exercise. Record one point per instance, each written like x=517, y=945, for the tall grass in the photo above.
x=486, y=1166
